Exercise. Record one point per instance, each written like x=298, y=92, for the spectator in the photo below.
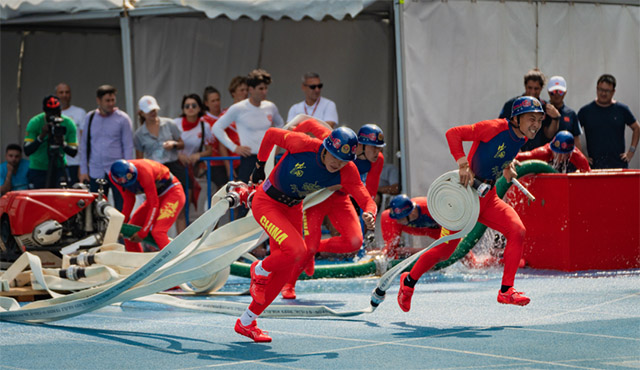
x=313, y=104
x=158, y=139
x=49, y=137
x=310, y=165
x=389, y=184
x=13, y=172
x=211, y=101
x=603, y=121
x=253, y=117
x=164, y=199
x=238, y=92
x=557, y=90
x=219, y=173
x=77, y=114
x=561, y=153
x=196, y=135
x=106, y=137
x=534, y=81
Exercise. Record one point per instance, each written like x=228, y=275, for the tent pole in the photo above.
x=397, y=25
x=125, y=36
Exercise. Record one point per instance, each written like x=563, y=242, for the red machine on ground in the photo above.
x=44, y=221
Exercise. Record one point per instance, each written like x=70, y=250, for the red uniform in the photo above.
x=495, y=145
x=165, y=199
x=277, y=203
x=544, y=153
x=338, y=206
x=423, y=225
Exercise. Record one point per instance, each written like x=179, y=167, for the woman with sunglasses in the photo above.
x=197, y=138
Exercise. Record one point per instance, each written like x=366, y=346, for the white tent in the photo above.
x=415, y=67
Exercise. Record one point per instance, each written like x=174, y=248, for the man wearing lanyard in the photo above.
x=313, y=104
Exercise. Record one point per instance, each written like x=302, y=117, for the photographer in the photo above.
x=49, y=137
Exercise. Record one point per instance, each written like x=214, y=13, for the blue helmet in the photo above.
x=563, y=142
x=526, y=104
x=124, y=173
x=371, y=134
x=400, y=206
x=342, y=144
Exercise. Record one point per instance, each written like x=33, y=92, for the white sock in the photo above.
x=247, y=317
x=260, y=271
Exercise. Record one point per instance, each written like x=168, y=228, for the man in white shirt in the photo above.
x=253, y=116
x=313, y=104
x=77, y=114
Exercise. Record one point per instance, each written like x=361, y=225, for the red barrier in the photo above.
x=581, y=221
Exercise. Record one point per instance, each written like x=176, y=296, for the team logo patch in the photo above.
x=169, y=210
x=345, y=149
x=381, y=137
x=335, y=142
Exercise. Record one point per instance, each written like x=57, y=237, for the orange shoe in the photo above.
x=252, y=331
x=310, y=268
x=288, y=291
x=512, y=296
x=404, y=294
x=258, y=284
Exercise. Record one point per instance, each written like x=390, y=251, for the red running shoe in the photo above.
x=288, y=291
x=404, y=294
x=252, y=331
x=512, y=296
x=258, y=284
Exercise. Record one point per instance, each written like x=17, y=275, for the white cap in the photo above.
x=148, y=103
x=557, y=83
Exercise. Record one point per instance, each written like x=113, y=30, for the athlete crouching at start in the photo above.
x=495, y=145
x=338, y=207
x=560, y=153
x=411, y=216
x=165, y=199
x=308, y=165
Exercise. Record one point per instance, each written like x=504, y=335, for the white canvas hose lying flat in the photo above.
x=453, y=206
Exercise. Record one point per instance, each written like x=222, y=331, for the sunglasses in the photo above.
x=187, y=106
x=556, y=92
x=313, y=87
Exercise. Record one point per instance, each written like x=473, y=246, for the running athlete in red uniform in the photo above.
x=338, y=207
x=165, y=199
x=308, y=165
x=559, y=153
x=495, y=144
x=412, y=216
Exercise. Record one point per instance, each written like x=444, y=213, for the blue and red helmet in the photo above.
x=371, y=134
x=124, y=173
x=342, y=144
x=526, y=104
x=400, y=206
x=563, y=142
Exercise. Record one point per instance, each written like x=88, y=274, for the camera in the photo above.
x=56, y=129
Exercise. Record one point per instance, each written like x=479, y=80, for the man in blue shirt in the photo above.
x=604, y=120
x=13, y=172
x=557, y=90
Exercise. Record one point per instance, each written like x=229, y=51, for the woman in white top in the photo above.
x=158, y=138
x=197, y=138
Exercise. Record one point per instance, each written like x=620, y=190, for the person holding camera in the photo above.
x=49, y=136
